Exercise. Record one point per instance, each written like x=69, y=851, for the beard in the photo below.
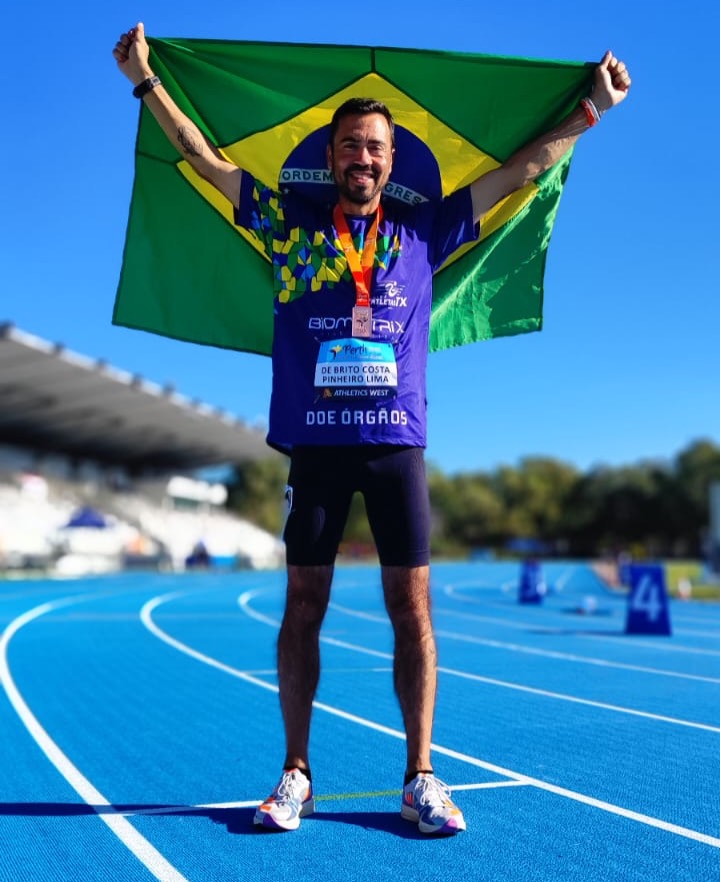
x=359, y=195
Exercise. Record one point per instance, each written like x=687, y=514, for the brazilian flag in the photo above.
x=189, y=273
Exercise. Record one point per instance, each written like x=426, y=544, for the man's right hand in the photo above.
x=132, y=54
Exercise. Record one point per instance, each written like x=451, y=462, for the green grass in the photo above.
x=693, y=571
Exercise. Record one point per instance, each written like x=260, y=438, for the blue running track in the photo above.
x=140, y=726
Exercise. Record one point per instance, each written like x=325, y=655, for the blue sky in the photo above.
x=627, y=365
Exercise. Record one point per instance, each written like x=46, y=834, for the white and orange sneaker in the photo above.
x=291, y=800
x=426, y=801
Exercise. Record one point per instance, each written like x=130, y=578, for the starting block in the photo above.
x=648, y=609
x=531, y=588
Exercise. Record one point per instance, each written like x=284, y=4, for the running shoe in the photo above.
x=291, y=800
x=426, y=801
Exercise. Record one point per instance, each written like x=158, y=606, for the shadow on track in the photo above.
x=237, y=821
x=240, y=821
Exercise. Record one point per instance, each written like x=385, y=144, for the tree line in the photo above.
x=651, y=508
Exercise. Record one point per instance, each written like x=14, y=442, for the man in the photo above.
x=352, y=308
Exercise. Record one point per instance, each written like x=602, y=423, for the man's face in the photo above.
x=360, y=158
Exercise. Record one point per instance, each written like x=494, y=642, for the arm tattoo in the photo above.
x=190, y=141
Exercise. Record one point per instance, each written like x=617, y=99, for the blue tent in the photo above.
x=87, y=517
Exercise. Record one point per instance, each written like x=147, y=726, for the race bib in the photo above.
x=356, y=368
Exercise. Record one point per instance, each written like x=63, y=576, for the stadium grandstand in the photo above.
x=99, y=469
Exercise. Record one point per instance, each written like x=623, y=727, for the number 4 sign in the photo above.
x=648, y=611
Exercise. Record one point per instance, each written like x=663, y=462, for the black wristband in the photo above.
x=146, y=86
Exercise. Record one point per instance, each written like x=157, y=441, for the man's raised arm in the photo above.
x=611, y=85
x=132, y=55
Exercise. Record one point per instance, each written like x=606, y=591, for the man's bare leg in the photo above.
x=298, y=654
x=407, y=598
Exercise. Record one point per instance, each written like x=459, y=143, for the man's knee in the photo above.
x=308, y=594
x=407, y=597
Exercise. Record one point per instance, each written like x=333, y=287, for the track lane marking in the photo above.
x=134, y=841
x=243, y=601
x=323, y=797
x=537, y=628
x=546, y=653
x=477, y=677
x=545, y=693
x=451, y=590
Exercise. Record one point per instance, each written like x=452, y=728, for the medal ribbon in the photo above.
x=361, y=264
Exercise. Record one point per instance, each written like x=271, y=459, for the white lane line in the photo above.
x=586, y=634
x=679, y=621
x=455, y=589
x=666, y=647
x=189, y=809
x=324, y=797
x=582, y=659
x=546, y=653
x=436, y=748
x=490, y=785
x=693, y=632
x=561, y=581
x=147, y=620
x=146, y=853
x=560, y=696
x=710, y=619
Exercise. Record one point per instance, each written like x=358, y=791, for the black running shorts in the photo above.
x=392, y=480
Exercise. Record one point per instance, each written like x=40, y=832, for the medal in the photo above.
x=361, y=267
x=361, y=321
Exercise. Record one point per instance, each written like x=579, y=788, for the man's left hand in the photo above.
x=612, y=82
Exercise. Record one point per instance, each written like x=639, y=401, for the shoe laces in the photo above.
x=291, y=786
x=430, y=790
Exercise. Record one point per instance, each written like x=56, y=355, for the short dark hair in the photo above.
x=360, y=107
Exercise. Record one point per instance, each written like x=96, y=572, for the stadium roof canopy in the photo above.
x=55, y=401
